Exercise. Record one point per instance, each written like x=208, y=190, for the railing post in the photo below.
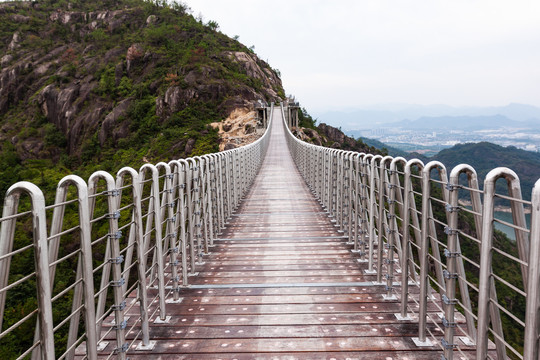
x=173, y=225
x=406, y=249
x=372, y=209
x=114, y=245
x=362, y=205
x=455, y=247
x=84, y=267
x=197, y=194
x=382, y=218
x=43, y=281
x=220, y=202
x=138, y=238
x=182, y=205
x=209, y=213
x=487, y=291
x=155, y=205
x=424, y=254
x=393, y=232
x=530, y=350
x=449, y=299
x=347, y=197
x=190, y=207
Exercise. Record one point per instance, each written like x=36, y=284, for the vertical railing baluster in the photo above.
x=43, y=282
x=530, y=349
x=155, y=209
x=407, y=267
x=373, y=179
x=487, y=311
x=393, y=185
x=382, y=223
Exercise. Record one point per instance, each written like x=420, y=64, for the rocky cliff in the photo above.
x=329, y=136
x=116, y=81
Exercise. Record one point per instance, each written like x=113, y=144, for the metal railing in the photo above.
x=411, y=224
x=108, y=245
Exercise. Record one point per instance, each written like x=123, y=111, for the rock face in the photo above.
x=337, y=136
x=240, y=128
x=309, y=135
x=112, y=127
x=175, y=99
x=251, y=65
x=329, y=136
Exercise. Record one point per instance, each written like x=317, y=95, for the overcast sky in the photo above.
x=356, y=53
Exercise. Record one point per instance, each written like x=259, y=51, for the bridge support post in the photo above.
x=383, y=223
x=372, y=209
x=183, y=169
x=43, y=282
x=533, y=288
x=407, y=265
x=487, y=310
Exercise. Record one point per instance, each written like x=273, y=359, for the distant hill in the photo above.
x=392, y=151
x=486, y=156
x=383, y=115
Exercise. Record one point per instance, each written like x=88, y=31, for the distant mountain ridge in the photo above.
x=466, y=123
x=383, y=115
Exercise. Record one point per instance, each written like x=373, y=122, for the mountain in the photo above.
x=87, y=85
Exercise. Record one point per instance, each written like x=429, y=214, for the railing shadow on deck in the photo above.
x=68, y=267
x=135, y=240
x=408, y=222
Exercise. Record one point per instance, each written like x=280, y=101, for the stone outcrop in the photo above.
x=240, y=128
x=250, y=64
x=15, y=40
x=112, y=127
x=336, y=135
x=309, y=135
x=175, y=99
x=329, y=136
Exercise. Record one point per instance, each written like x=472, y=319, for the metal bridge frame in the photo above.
x=155, y=225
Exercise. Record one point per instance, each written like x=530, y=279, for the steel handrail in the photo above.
x=428, y=260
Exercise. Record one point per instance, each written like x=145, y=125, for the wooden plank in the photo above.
x=378, y=355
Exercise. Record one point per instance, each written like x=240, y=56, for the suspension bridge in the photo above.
x=276, y=250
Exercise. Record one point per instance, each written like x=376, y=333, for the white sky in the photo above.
x=350, y=54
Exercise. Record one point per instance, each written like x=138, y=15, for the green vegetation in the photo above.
x=305, y=120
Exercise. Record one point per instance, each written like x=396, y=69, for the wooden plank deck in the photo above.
x=283, y=284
